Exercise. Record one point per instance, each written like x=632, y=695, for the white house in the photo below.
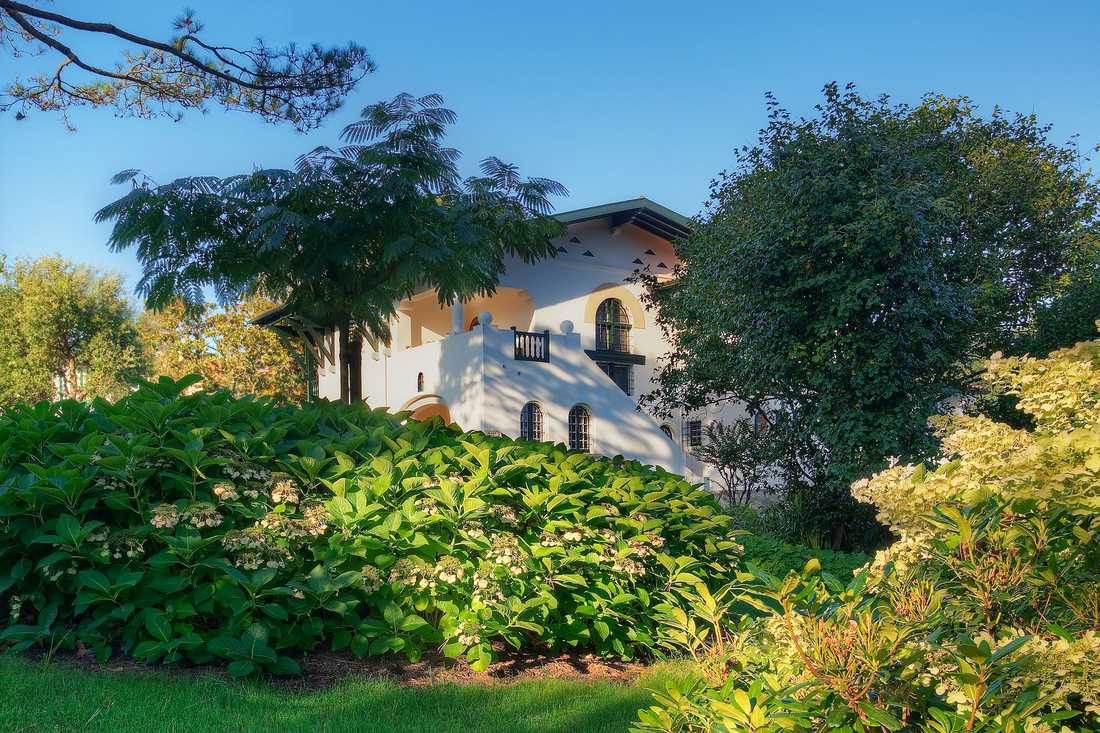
x=560, y=352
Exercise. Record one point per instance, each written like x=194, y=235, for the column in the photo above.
x=458, y=321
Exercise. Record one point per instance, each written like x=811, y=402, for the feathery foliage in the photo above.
x=348, y=233
x=161, y=79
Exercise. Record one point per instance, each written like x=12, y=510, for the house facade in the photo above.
x=560, y=352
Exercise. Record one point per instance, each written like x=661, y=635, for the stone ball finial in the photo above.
x=485, y=319
x=566, y=327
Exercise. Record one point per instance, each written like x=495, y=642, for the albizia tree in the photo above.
x=346, y=235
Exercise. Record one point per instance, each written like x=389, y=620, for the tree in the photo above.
x=348, y=234
x=743, y=454
x=223, y=346
x=854, y=265
x=65, y=331
x=162, y=78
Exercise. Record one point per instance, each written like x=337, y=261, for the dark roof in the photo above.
x=641, y=212
x=271, y=316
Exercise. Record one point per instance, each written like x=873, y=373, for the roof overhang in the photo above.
x=641, y=212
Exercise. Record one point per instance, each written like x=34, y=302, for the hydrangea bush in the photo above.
x=983, y=616
x=197, y=527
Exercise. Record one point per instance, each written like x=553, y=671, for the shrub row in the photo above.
x=172, y=526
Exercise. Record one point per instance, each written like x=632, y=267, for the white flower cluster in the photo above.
x=285, y=491
x=412, y=573
x=110, y=483
x=15, y=607
x=119, y=547
x=254, y=549
x=474, y=530
x=313, y=523
x=225, y=491
x=505, y=551
x=55, y=572
x=415, y=573
x=505, y=515
x=202, y=514
x=487, y=589
x=165, y=516
x=449, y=569
x=645, y=545
x=248, y=472
x=628, y=565
x=427, y=505
x=372, y=579
x=468, y=633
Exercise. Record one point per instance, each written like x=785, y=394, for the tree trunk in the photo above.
x=355, y=367
x=345, y=357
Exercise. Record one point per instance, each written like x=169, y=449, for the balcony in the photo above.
x=531, y=345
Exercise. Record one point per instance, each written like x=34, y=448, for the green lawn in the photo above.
x=37, y=697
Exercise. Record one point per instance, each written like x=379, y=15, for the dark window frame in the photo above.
x=580, y=428
x=530, y=421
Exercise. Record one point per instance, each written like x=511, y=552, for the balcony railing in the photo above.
x=531, y=346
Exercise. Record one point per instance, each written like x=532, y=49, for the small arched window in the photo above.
x=420, y=382
x=530, y=421
x=612, y=326
x=579, y=418
x=667, y=430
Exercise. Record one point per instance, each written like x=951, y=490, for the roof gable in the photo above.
x=641, y=212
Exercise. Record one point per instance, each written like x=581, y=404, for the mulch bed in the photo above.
x=323, y=669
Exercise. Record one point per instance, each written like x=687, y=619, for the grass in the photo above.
x=36, y=697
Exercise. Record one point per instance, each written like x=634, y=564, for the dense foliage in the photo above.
x=854, y=267
x=223, y=346
x=64, y=329
x=776, y=557
x=346, y=236
x=201, y=526
x=984, y=616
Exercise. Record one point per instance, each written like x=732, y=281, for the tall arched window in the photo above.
x=530, y=421
x=420, y=382
x=667, y=430
x=612, y=326
x=578, y=428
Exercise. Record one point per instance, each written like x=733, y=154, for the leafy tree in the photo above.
x=346, y=235
x=65, y=330
x=223, y=346
x=743, y=455
x=162, y=78
x=854, y=265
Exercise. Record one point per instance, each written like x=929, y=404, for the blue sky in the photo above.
x=613, y=99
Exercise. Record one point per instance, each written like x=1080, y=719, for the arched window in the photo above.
x=667, y=430
x=420, y=382
x=578, y=428
x=530, y=421
x=612, y=326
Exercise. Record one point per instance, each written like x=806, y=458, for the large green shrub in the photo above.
x=194, y=527
x=983, y=616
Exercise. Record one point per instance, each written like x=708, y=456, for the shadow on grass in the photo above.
x=38, y=697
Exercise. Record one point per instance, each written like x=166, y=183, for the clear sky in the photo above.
x=613, y=99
